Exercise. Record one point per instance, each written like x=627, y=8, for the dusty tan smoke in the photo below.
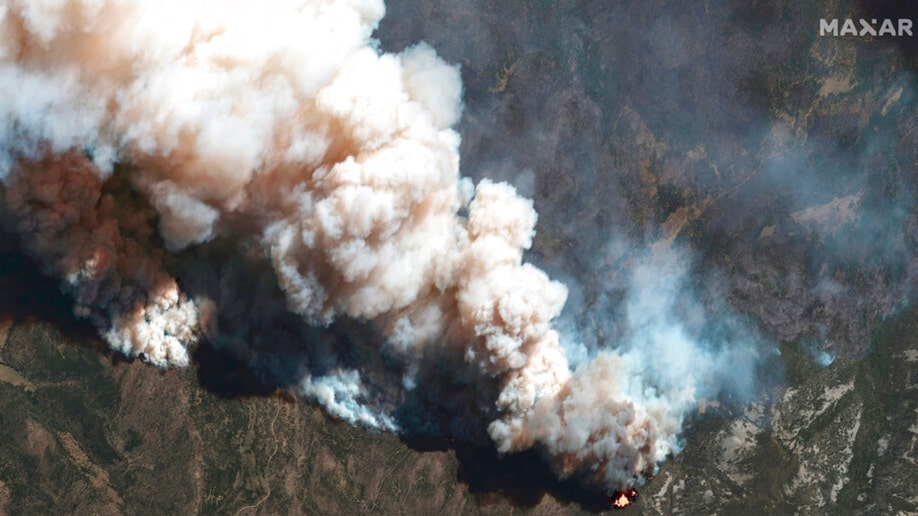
x=99, y=245
x=283, y=122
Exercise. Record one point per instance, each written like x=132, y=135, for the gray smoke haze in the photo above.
x=785, y=161
x=139, y=139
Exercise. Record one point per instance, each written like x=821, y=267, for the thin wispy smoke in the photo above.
x=282, y=125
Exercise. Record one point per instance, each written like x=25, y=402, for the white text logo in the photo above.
x=862, y=27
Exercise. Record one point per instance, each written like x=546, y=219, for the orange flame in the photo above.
x=623, y=499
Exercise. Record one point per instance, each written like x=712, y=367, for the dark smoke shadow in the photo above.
x=274, y=362
x=523, y=479
x=255, y=346
x=26, y=293
x=226, y=376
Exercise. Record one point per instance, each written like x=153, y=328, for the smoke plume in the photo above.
x=282, y=125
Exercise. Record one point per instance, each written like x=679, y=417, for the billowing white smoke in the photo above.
x=282, y=122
